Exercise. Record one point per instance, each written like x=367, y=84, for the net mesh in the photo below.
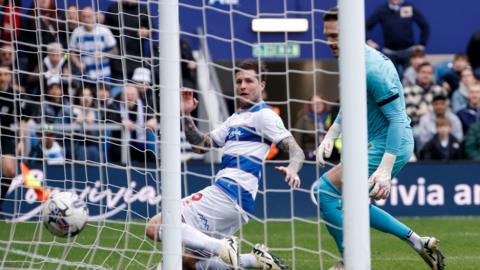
x=84, y=108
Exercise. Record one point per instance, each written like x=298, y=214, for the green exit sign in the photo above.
x=276, y=50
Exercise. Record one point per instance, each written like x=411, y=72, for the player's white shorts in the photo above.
x=213, y=212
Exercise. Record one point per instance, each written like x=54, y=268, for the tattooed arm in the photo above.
x=200, y=142
x=290, y=146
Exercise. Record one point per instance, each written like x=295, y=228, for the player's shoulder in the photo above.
x=265, y=111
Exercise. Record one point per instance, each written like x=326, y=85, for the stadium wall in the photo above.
x=452, y=23
x=421, y=189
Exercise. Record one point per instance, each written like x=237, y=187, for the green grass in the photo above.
x=108, y=245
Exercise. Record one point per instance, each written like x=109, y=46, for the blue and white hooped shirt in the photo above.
x=246, y=137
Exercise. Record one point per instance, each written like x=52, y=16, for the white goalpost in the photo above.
x=170, y=130
x=356, y=229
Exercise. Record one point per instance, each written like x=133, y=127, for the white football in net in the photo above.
x=65, y=214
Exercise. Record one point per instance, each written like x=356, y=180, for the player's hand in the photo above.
x=326, y=146
x=380, y=184
x=291, y=177
x=324, y=150
x=189, y=103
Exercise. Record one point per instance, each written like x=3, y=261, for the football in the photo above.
x=65, y=214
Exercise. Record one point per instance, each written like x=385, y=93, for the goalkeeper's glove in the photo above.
x=326, y=147
x=380, y=181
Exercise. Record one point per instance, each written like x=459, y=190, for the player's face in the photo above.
x=330, y=30
x=248, y=87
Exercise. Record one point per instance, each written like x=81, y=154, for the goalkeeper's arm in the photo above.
x=380, y=179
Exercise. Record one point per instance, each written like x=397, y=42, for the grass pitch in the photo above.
x=108, y=245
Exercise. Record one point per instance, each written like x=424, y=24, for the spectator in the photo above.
x=426, y=128
x=471, y=114
x=450, y=80
x=443, y=146
x=72, y=20
x=418, y=97
x=48, y=149
x=397, y=19
x=10, y=24
x=43, y=25
x=410, y=75
x=129, y=23
x=85, y=114
x=472, y=142
x=12, y=113
x=142, y=78
x=312, y=124
x=7, y=55
x=139, y=123
x=188, y=65
x=56, y=110
x=104, y=102
x=90, y=45
x=53, y=67
x=460, y=95
x=7, y=58
x=473, y=53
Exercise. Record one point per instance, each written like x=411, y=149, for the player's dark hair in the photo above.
x=331, y=15
x=258, y=66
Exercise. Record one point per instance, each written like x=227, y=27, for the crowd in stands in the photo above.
x=83, y=79
x=91, y=72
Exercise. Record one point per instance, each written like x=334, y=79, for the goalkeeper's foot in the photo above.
x=230, y=251
x=338, y=266
x=266, y=260
x=431, y=253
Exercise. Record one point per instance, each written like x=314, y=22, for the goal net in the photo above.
x=80, y=95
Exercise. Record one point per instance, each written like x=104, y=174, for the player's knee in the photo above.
x=152, y=229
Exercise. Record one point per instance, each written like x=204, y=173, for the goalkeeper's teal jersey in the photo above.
x=388, y=123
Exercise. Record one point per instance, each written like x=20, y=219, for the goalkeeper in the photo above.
x=219, y=210
x=390, y=147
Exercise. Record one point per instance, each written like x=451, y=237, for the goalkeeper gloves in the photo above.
x=380, y=181
x=326, y=147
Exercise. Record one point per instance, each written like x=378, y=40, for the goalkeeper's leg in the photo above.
x=331, y=212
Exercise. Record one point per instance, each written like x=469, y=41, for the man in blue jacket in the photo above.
x=397, y=18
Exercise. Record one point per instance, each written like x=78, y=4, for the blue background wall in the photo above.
x=421, y=189
x=452, y=23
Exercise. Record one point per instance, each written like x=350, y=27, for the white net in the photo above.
x=83, y=100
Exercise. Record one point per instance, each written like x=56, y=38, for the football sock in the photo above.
x=194, y=239
x=415, y=241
